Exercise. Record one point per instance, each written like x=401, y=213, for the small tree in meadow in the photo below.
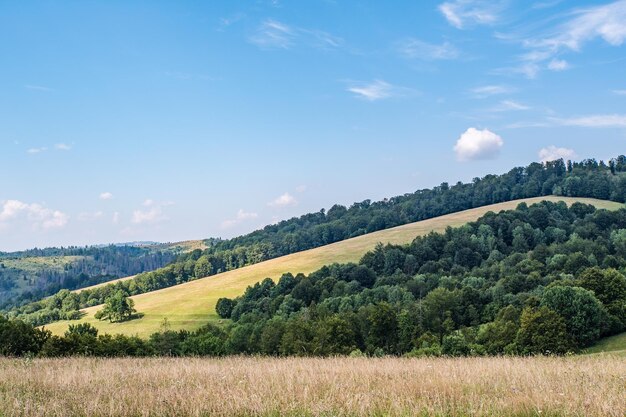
x=117, y=308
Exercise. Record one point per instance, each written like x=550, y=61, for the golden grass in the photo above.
x=192, y=304
x=577, y=386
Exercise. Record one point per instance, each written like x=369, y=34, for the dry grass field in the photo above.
x=190, y=305
x=584, y=386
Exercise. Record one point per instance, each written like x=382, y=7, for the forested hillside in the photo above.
x=539, y=279
x=542, y=279
x=30, y=275
x=588, y=178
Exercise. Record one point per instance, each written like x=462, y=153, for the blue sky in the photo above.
x=166, y=121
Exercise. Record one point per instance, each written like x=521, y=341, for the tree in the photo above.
x=499, y=335
x=117, y=308
x=439, y=306
x=224, y=307
x=583, y=314
x=542, y=331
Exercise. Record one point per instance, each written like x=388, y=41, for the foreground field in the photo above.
x=190, y=305
x=576, y=386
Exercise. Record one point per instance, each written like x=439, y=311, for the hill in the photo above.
x=30, y=275
x=192, y=304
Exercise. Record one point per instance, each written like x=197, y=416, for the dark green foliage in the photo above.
x=466, y=304
x=609, y=286
x=224, y=307
x=542, y=331
x=117, y=308
x=18, y=338
x=584, y=315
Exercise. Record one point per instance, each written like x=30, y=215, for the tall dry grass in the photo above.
x=577, y=386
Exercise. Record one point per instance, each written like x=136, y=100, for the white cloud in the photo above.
x=376, y=90
x=284, y=200
x=148, y=202
x=477, y=144
x=38, y=216
x=62, y=147
x=552, y=153
x=36, y=150
x=491, y=90
x=596, y=120
x=558, y=65
x=417, y=49
x=116, y=217
x=461, y=13
x=241, y=216
x=106, y=195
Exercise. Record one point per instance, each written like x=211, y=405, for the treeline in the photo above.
x=545, y=279
x=588, y=178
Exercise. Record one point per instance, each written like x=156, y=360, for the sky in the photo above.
x=127, y=121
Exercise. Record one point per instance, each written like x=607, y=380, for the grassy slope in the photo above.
x=190, y=305
x=614, y=344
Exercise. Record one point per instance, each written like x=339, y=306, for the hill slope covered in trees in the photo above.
x=588, y=178
x=192, y=304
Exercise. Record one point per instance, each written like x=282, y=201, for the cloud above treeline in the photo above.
x=285, y=200
x=552, y=153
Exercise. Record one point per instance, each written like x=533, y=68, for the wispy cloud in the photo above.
x=272, y=34
x=596, y=120
x=284, y=200
x=510, y=105
x=36, y=150
x=417, y=49
x=62, y=147
x=106, y=195
x=463, y=13
x=376, y=90
x=153, y=213
x=558, y=65
x=589, y=121
x=552, y=153
x=491, y=90
x=582, y=26
x=38, y=216
x=619, y=92
x=33, y=87
x=241, y=217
